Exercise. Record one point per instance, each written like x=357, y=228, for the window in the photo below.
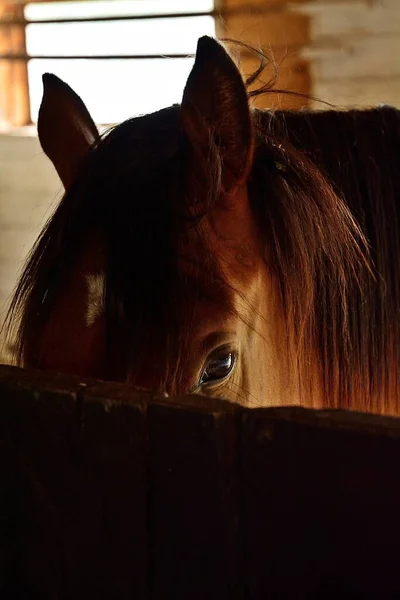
x=124, y=57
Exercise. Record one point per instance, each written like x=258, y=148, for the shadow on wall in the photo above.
x=29, y=191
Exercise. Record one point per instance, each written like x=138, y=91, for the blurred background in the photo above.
x=129, y=57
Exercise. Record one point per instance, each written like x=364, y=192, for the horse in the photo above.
x=217, y=249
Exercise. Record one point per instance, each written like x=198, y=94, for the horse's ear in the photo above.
x=66, y=129
x=215, y=109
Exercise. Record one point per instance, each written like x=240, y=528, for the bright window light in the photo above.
x=116, y=89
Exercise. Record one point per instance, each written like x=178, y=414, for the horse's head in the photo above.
x=183, y=255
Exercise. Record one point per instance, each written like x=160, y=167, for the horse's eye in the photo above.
x=219, y=366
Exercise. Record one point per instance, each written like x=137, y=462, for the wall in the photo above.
x=282, y=31
x=29, y=190
x=345, y=52
x=354, y=51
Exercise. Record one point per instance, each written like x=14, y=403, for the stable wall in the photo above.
x=345, y=52
x=29, y=190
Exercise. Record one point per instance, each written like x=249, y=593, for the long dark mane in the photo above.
x=358, y=153
x=315, y=178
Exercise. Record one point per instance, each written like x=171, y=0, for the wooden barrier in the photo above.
x=107, y=493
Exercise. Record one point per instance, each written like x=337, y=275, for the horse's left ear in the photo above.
x=66, y=129
x=215, y=109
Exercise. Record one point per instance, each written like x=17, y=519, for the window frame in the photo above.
x=15, y=106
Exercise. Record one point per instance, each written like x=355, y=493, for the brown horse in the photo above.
x=217, y=249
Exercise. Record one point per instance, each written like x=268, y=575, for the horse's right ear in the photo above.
x=66, y=129
x=215, y=109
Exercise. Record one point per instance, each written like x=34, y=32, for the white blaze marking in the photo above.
x=95, y=304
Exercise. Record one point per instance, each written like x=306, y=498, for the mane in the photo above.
x=357, y=152
x=321, y=261
x=137, y=190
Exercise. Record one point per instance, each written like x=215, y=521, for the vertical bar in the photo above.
x=194, y=500
x=14, y=89
x=113, y=511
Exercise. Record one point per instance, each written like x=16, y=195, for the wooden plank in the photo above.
x=356, y=58
x=113, y=501
x=359, y=91
x=279, y=34
x=193, y=500
x=321, y=504
x=281, y=30
x=39, y=442
x=353, y=20
x=246, y=6
x=72, y=490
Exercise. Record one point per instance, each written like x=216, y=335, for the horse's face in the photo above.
x=223, y=331
x=227, y=327
x=248, y=323
x=224, y=339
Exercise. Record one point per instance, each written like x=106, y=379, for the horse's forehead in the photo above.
x=226, y=245
x=150, y=139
